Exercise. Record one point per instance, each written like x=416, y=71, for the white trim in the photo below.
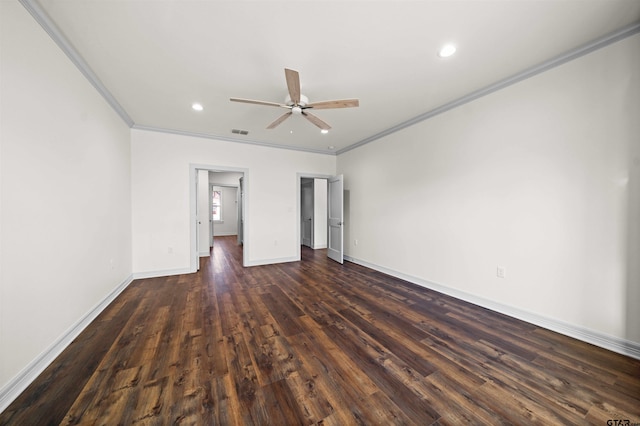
x=204, y=254
x=319, y=246
x=612, y=343
x=499, y=85
x=13, y=389
x=271, y=261
x=230, y=139
x=59, y=38
x=162, y=273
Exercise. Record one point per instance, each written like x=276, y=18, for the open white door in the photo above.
x=335, y=247
x=241, y=211
x=198, y=207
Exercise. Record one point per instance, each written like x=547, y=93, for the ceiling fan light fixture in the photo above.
x=296, y=103
x=447, y=50
x=197, y=107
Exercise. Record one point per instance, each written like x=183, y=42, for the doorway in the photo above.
x=312, y=211
x=203, y=224
x=224, y=213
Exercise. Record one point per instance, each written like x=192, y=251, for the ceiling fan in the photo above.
x=298, y=103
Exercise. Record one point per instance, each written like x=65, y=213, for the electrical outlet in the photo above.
x=355, y=242
x=501, y=272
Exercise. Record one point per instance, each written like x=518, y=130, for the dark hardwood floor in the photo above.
x=315, y=342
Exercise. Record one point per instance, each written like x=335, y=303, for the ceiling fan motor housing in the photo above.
x=304, y=101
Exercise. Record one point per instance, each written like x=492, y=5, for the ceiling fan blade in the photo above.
x=315, y=120
x=293, y=84
x=342, y=103
x=251, y=101
x=279, y=120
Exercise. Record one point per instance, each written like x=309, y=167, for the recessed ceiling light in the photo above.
x=324, y=131
x=447, y=50
x=197, y=107
x=331, y=147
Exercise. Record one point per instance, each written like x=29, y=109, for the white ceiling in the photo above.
x=158, y=57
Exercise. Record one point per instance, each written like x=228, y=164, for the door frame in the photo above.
x=311, y=186
x=299, y=177
x=193, y=200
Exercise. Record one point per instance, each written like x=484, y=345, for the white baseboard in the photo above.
x=612, y=343
x=271, y=261
x=320, y=246
x=163, y=273
x=13, y=389
x=204, y=254
x=225, y=234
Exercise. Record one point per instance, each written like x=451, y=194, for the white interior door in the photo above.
x=307, y=213
x=241, y=211
x=335, y=247
x=197, y=223
x=211, y=216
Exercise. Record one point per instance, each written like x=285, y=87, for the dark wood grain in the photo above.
x=315, y=342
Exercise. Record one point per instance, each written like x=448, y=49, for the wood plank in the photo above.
x=315, y=342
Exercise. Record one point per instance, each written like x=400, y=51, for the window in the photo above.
x=216, y=205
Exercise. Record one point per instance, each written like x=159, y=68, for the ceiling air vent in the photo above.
x=240, y=132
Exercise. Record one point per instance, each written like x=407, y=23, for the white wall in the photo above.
x=541, y=177
x=320, y=213
x=229, y=223
x=225, y=178
x=65, y=194
x=163, y=222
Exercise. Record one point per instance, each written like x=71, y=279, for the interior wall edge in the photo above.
x=231, y=139
x=41, y=17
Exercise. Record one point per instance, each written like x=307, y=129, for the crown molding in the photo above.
x=230, y=139
x=516, y=78
x=34, y=8
x=58, y=37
